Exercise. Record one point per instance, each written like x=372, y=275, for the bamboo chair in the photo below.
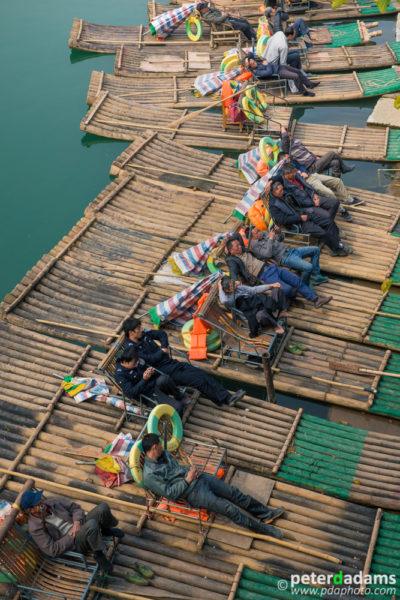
x=37, y=576
x=224, y=34
x=296, y=6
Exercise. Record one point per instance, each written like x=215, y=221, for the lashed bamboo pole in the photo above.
x=177, y=516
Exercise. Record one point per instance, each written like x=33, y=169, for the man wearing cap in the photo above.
x=58, y=524
x=217, y=17
x=277, y=16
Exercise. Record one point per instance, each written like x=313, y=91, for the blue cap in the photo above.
x=29, y=499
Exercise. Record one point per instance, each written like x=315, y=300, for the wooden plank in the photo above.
x=345, y=52
x=342, y=139
x=358, y=83
x=287, y=443
x=95, y=108
x=136, y=149
x=371, y=547
x=377, y=378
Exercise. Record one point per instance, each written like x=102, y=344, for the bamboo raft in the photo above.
x=348, y=59
x=118, y=118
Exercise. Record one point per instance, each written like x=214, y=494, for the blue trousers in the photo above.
x=295, y=259
x=289, y=281
x=300, y=27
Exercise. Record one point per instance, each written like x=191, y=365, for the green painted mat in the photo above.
x=387, y=400
x=395, y=46
x=324, y=456
x=386, y=557
x=385, y=330
x=393, y=149
x=260, y=586
x=344, y=35
x=368, y=7
x=375, y=83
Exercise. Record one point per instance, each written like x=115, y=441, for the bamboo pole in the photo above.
x=76, y=327
x=177, y=516
x=371, y=548
x=124, y=596
x=235, y=582
x=225, y=183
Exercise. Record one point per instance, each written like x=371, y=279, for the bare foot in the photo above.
x=285, y=313
x=279, y=329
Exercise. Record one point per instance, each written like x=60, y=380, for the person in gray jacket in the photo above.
x=163, y=475
x=217, y=17
x=58, y=524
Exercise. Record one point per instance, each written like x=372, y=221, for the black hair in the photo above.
x=130, y=325
x=129, y=354
x=149, y=440
x=281, y=156
x=274, y=186
x=226, y=283
x=288, y=168
x=229, y=244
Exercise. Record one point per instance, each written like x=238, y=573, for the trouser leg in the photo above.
x=293, y=59
x=301, y=27
x=188, y=375
x=243, y=26
x=320, y=186
x=273, y=275
x=329, y=186
x=167, y=385
x=331, y=205
x=295, y=259
x=330, y=160
x=89, y=538
x=293, y=280
x=328, y=234
x=161, y=398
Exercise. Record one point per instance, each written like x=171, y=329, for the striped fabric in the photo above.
x=254, y=192
x=193, y=259
x=164, y=24
x=180, y=307
x=83, y=388
x=212, y=82
x=247, y=163
x=120, y=446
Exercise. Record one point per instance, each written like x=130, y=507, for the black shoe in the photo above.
x=321, y=300
x=267, y=530
x=344, y=213
x=271, y=515
x=355, y=201
x=102, y=561
x=313, y=85
x=235, y=397
x=348, y=168
x=340, y=252
x=113, y=532
x=308, y=93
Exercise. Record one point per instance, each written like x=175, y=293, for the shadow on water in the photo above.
x=77, y=56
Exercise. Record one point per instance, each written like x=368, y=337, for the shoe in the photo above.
x=321, y=300
x=113, y=532
x=267, y=530
x=136, y=578
x=348, y=168
x=318, y=279
x=143, y=570
x=235, y=397
x=270, y=515
x=308, y=93
x=339, y=252
x=349, y=249
x=353, y=201
x=103, y=562
x=313, y=85
x=344, y=213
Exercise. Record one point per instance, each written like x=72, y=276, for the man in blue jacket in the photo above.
x=163, y=475
x=135, y=380
x=182, y=373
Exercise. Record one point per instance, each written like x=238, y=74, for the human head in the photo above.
x=277, y=189
x=281, y=156
x=132, y=328
x=250, y=61
x=289, y=171
x=256, y=234
x=226, y=283
x=151, y=445
x=290, y=33
x=202, y=7
x=130, y=357
x=31, y=501
x=234, y=247
x=269, y=11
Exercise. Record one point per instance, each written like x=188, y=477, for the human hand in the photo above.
x=192, y=474
x=303, y=218
x=275, y=285
x=277, y=229
x=283, y=129
x=303, y=174
x=75, y=528
x=166, y=350
x=316, y=200
x=271, y=234
x=148, y=373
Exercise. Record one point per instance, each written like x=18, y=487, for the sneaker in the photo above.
x=143, y=570
x=339, y=252
x=349, y=249
x=136, y=578
x=308, y=93
x=267, y=530
x=271, y=515
x=113, y=532
x=103, y=562
x=313, y=85
x=348, y=168
x=353, y=201
x=344, y=213
x=235, y=397
x=318, y=279
x=321, y=300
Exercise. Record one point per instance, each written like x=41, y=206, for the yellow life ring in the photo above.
x=397, y=102
x=253, y=105
x=212, y=267
x=269, y=151
x=165, y=410
x=194, y=37
x=257, y=97
x=230, y=62
x=261, y=45
x=213, y=339
x=134, y=462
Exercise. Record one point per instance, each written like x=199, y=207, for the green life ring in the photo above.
x=213, y=339
x=134, y=462
x=194, y=37
x=165, y=410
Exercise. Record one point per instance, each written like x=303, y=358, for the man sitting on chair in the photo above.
x=217, y=17
x=58, y=524
x=163, y=475
x=135, y=379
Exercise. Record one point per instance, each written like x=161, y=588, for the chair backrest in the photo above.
x=20, y=559
x=109, y=363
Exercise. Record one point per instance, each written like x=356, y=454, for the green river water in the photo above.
x=50, y=170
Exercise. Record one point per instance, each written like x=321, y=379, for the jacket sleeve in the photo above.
x=74, y=509
x=214, y=16
x=160, y=336
x=172, y=488
x=256, y=289
x=263, y=71
x=223, y=298
x=282, y=218
x=47, y=545
x=130, y=389
x=285, y=142
x=234, y=269
x=265, y=250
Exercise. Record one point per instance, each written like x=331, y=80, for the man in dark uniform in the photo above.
x=182, y=373
x=136, y=379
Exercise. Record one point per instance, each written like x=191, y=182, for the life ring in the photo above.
x=397, y=102
x=230, y=62
x=194, y=37
x=134, y=462
x=165, y=410
x=253, y=105
x=213, y=339
x=244, y=76
x=212, y=267
x=269, y=151
x=261, y=44
x=257, y=97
